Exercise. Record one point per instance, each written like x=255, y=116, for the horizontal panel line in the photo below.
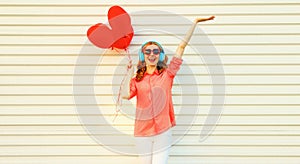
x=198, y=115
x=176, y=145
x=89, y=65
x=186, y=54
x=125, y=105
x=220, y=24
x=269, y=74
x=123, y=125
x=210, y=34
x=174, y=134
x=172, y=156
x=215, y=44
x=147, y=4
x=60, y=156
x=38, y=85
x=273, y=94
x=215, y=24
x=240, y=156
x=146, y=15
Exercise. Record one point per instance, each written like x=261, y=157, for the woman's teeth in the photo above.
x=152, y=60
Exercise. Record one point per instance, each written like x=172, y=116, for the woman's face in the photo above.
x=151, y=54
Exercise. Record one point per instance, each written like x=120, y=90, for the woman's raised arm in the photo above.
x=185, y=41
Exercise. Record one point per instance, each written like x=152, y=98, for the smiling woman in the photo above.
x=258, y=43
x=154, y=109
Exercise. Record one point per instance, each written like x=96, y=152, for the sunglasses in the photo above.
x=155, y=51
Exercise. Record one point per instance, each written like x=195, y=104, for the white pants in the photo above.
x=154, y=149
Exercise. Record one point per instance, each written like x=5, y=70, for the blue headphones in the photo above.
x=161, y=55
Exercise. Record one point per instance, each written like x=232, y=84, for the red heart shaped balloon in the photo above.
x=120, y=34
x=100, y=35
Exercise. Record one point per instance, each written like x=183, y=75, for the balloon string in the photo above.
x=119, y=100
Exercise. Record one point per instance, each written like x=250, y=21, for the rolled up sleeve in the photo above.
x=174, y=66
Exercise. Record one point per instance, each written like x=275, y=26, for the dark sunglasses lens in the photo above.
x=147, y=52
x=156, y=51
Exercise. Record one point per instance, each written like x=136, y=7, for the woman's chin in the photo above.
x=152, y=63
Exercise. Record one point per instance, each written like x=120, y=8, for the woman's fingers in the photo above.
x=129, y=65
x=204, y=19
x=211, y=17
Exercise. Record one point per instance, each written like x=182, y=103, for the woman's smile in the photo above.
x=152, y=59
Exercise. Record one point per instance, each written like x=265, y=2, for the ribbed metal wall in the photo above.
x=257, y=42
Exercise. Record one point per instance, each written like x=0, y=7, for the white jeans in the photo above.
x=154, y=149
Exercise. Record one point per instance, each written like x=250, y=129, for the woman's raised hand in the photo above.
x=197, y=20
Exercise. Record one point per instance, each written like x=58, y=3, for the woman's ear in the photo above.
x=163, y=64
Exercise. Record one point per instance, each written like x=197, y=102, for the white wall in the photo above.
x=257, y=42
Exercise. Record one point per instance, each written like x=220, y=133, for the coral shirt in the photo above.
x=154, y=107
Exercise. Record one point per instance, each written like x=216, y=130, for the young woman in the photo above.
x=154, y=109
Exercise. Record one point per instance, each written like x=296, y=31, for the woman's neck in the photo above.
x=151, y=69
